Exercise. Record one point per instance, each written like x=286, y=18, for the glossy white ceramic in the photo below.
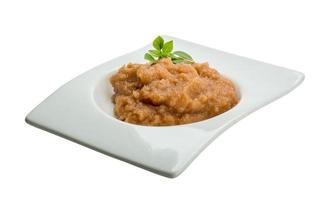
x=82, y=111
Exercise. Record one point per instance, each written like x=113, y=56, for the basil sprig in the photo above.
x=164, y=50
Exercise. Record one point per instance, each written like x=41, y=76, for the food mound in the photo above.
x=165, y=93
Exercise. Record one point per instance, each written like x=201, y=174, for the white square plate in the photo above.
x=82, y=110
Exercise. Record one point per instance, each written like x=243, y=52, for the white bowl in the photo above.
x=82, y=110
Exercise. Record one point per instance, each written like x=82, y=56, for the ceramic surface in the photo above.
x=82, y=110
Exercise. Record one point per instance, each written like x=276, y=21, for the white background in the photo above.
x=282, y=151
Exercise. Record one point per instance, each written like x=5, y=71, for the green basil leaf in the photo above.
x=158, y=43
x=164, y=50
x=149, y=57
x=188, y=61
x=155, y=53
x=167, y=47
x=183, y=55
x=177, y=60
x=173, y=56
